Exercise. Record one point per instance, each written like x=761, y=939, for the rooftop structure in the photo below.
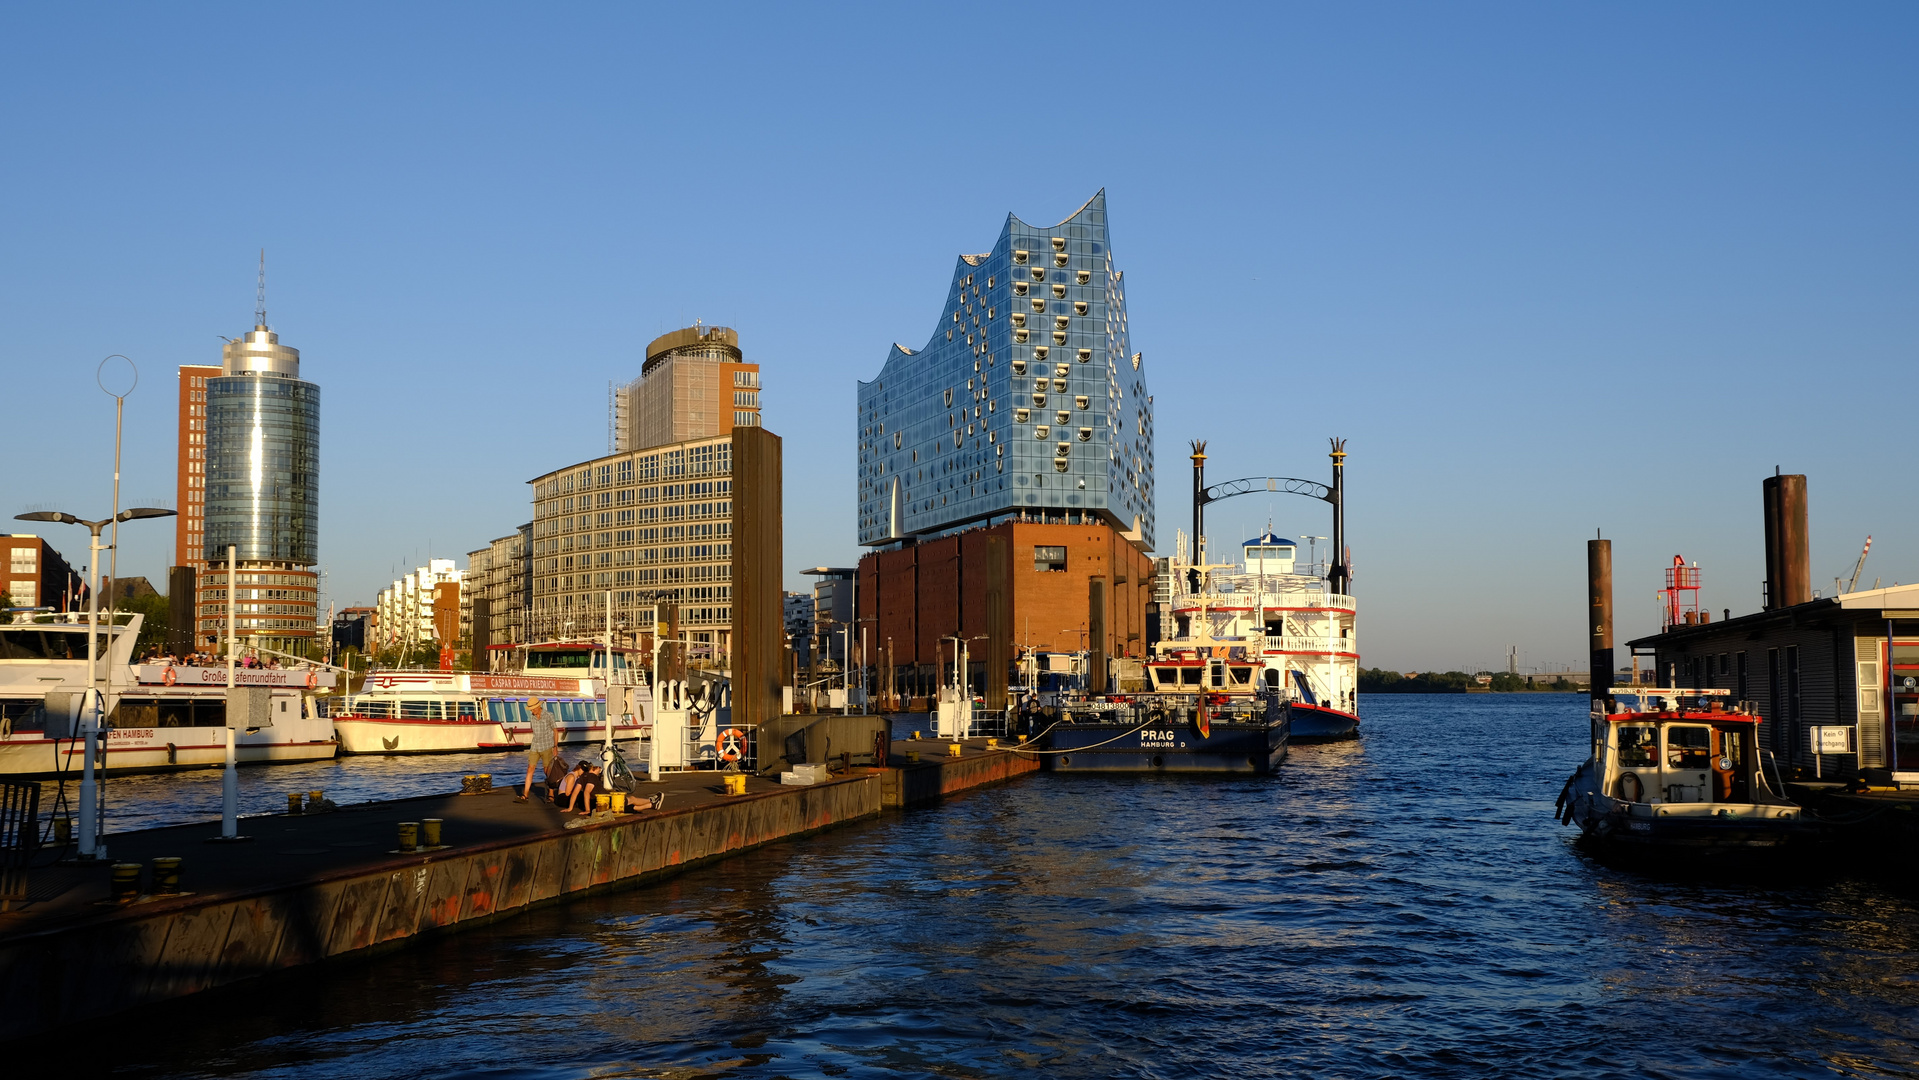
x=695, y=384
x=1027, y=403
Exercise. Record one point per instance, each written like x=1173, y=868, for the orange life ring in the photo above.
x=170, y=677
x=731, y=744
x=313, y=679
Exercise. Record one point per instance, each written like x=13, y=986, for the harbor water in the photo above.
x=1400, y=906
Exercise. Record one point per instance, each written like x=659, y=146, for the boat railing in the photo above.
x=1316, y=644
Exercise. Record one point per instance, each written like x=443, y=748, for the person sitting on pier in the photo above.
x=580, y=785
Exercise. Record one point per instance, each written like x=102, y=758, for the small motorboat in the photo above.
x=1679, y=776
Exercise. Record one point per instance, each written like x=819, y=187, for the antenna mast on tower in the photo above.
x=260, y=299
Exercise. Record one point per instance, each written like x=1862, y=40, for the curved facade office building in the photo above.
x=262, y=495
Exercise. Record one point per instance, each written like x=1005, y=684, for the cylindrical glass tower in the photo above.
x=263, y=486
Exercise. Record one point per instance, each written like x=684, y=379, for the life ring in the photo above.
x=170, y=677
x=313, y=679
x=1630, y=787
x=731, y=744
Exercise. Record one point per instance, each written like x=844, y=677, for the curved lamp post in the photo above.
x=96, y=706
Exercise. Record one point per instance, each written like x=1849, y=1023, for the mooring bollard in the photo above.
x=619, y=802
x=293, y=802
x=126, y=882
x=316, y=801
x=166, y=875
x=912, y=755
x=953, y=750
x=409, y=835
x=735, y=783
x=602, y=803
x=430, y=831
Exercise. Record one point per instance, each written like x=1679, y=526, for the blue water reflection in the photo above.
x=1403, y=906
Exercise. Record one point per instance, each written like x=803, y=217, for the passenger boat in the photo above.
x=1298, y=632
x=1678, y=776
x=1208, y=710
x=440, y=712
x=160, y=717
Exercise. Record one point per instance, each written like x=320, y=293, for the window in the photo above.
x=1079, y=307
x=1039, y=307
x=1082, y=402
x=1059, y=243
x=1019, y=288
x=1020, y=415
x=1019, y=337
x=1018, y=319
x=1059, y=259
x=1085, y=355
x=1084, y=277
x=1019, y=367
x=1049, y=560
x=1688, y=746
x=1038, y=274
x=1039, y=352
x=1019, y=258
x=1638, y=746
x=1085, y=434
x=1059, y=337
x=1059, y=292
x=1062, y=417
x=1041, y=432
x=25, y=560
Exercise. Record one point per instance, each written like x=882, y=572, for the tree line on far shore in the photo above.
x=1382, y=681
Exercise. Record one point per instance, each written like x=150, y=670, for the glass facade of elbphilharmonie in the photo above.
x=1028, y=401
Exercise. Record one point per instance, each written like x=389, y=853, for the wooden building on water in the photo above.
x=1836, y=679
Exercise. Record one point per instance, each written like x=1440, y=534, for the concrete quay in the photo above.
x=317, y=888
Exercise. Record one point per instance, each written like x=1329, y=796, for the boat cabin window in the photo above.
x=1189, y=676
x=467, y=711
x=373, y=709
x=1166, y=676
x=22, y=714
x=1638, y=746
x=165, y=713
x=1272, y=678
x=1242, y=676
x=419, y=710
x=35, y=643
x=1688, y=746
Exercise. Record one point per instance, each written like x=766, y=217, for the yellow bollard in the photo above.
x=293, y=802
x=619, y=802
x=953, y=750
x=166, y=875
x=602, y=803
x=916, y=735
x=912, y=755
x=430, y=831
x=735, y=783
x=126, y=882
x=409, y=835
x=992, y=742
x=314, y=801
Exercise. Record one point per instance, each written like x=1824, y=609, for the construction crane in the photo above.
x=1860, y=565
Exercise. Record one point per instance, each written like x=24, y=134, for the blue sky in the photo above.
x=1549, y=268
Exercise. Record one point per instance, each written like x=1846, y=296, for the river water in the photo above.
x=1400, y=906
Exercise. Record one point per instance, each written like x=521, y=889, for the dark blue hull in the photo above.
x=1316, y=723
x=1167, y=746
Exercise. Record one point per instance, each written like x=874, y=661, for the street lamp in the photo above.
x=90, y=720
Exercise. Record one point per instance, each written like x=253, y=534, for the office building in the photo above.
x=190, y=471
x=694, y=384
x=37, y=577
x=498, y=584
x=1006, y=467
x=262, y=492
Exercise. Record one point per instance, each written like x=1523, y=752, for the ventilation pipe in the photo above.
x=1788, y=554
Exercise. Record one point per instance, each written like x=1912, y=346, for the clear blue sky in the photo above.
x=1548, y=267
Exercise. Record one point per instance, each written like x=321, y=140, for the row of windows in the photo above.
x=705, y=460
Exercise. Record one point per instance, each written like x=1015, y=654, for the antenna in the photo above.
x=260, y=299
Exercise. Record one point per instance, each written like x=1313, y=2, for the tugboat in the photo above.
x=1677, y=777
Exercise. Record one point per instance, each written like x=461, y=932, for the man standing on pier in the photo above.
x=542, y=747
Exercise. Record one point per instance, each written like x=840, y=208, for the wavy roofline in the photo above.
x=1097, y=196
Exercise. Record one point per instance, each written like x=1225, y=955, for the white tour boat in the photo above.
x=1289, y=631
x=159, y=716
x=438, y=712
